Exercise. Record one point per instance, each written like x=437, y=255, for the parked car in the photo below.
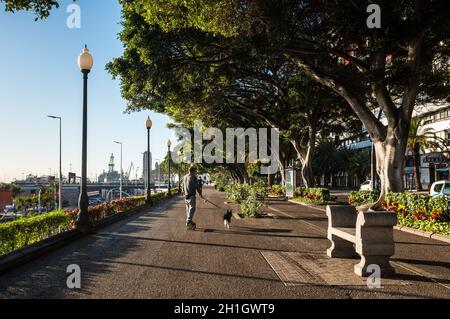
x=9, y=209
x=94, y=201
x=440, y=188
x=366, y=186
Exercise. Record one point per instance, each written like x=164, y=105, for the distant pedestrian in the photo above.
x=200, y=182
x=190, y=188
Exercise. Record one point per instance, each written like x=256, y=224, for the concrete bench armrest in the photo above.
x=341, y=216
x=373, y=219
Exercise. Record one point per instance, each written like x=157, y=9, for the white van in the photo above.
x=440, y=188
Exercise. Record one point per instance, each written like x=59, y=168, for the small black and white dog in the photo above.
x=227, y=218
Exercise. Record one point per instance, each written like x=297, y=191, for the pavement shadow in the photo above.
x=255, y=232
x=47, y=276
x=310, y=218
x=417, y=278
x=298, y=284
x=191, y=243
x=424, y=262
x=423, y=244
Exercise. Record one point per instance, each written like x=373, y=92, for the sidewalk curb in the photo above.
x=423, y=233
x=418, y=232
x=441, y=238
x=414, y=231
x=308, y=205
x=39, y=249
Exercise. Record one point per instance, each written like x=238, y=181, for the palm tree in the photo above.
x=419, y=139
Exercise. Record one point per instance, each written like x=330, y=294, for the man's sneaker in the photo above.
x=191, y=226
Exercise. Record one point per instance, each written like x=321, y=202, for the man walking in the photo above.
x=190, y=188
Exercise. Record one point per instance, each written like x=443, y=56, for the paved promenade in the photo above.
x=151, y=255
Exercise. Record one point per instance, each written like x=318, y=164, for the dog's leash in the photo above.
x=208, y=201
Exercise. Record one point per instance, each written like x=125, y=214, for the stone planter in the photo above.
x=375, y=241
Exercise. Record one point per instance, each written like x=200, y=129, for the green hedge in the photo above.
x=26, y=231
x=362, y=197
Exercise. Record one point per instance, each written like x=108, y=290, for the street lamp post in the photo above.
x=85, y=62
x=169, y=144
x=179, y=172
x=136, y=179
x=121, y=170
x=60, y=160
x=148, y=200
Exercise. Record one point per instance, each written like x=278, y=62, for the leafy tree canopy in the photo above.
x=41, y=8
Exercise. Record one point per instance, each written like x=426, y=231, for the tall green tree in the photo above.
x=421, y=139
x=191, y=75
x=390, y=68
x=331, y=159
x=41, y=8
x=14, y=188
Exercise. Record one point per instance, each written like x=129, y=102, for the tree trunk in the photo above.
x=270, y=178
x=416, y=163
x=390, y=155
x=305, y=156
x=282, y=173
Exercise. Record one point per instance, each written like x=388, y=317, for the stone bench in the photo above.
x=368, y=234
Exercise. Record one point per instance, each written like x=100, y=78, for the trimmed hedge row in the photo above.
x=26, y=231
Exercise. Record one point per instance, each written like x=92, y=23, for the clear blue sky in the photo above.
x=40, y=76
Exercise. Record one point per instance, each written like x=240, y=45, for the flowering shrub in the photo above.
x=277, y=190
x=440, y=208
x=313, y=194
x=251, y=207
x=260, y=188
x=117, y=206
x=237, y=192
x=98, y=212
x=421, y=211
x=362, y=197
